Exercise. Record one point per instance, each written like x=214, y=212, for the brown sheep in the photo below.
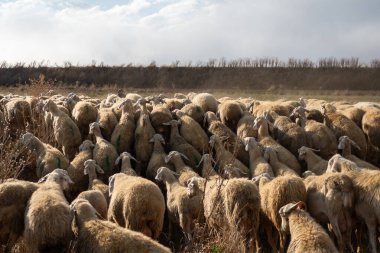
x=47, y=215
x=14, y=196
x=100, y=236
x=284, y=155
x=274, y=194
x=341, y=125
x=306, y=234
x=137, y=204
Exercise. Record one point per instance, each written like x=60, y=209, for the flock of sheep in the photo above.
x=121, y=171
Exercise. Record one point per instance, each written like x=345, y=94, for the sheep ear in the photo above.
x=85, y=171
x=301, y=205
x=354, y=144
x=86, y=163
x=167, y=123
x=111, y=185
x=179, y=122
x=151, y=140
x=99, y=170
x=185, y=157
x=199, y=164
x=117, y=160
x=43, y=179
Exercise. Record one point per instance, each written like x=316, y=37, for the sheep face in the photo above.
x=157, y=137
x=302, y=153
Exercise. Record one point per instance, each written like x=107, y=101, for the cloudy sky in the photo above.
x=140, y=31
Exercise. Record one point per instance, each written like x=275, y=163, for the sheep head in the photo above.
x=50, y=106
x=193, y=186
x=258, y=178
x=176, y=155
x=27, y=138
x=91, y=167
x=338, y=163
x=302, y=152
x=344, y=141
x=164, y=173
x=286, y=210
x=307, y=174
x=94, y=128
x=209, y=117
x=58, y=176
x=270, y=154
x=86, y=145
x=157, y=137
x=124, y=155
x=172, y=123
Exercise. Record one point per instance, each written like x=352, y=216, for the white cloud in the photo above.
x=187, y=30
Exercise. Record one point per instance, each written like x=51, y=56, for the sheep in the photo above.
x=182, y=209
x=194, y=111
x=257, y=164
x=229, y=138
x=284, y=155
x=207, y=168
x=133, y=97
x=330, y=198
x=47, y=215
x=306, y=234
x=206, y=101
x=345, y=145
x=366, y=194
x=355, y=114
x=157, y=159
x=137, y=204
x=14, y=196
x=274, y=194
x=245, y=126
x=233, y=204
x=143, y=134
x=159, y=115
x=279, y=168
x=76, y=169
x=178, y=143
x=289, y=134
x=125, y=160
x=17, y=114
x=48, y=158
x=91, y=168
x=258, y=109
x=123, y=134
x=192, y=132
x=341, y=125
x=66, y=132
x=225, y=158
x=104, y=153
x=371, y=128
x=185, y=172
x=315, y=163
x=89, y=227
x=107, y=121
x=83, y=114
x=320, y=136
x=230, y=113
x=96, y=199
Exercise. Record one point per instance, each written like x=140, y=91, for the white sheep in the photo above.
x=66, y=132
x=47, y=215
x=306, y=234
x=48, y=158
x=89, y=227
x=137, y=204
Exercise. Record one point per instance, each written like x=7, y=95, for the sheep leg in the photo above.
x=185, y=224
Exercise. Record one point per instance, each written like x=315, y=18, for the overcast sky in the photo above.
x=140, y=31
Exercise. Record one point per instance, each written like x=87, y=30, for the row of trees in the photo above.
x=264, y=62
